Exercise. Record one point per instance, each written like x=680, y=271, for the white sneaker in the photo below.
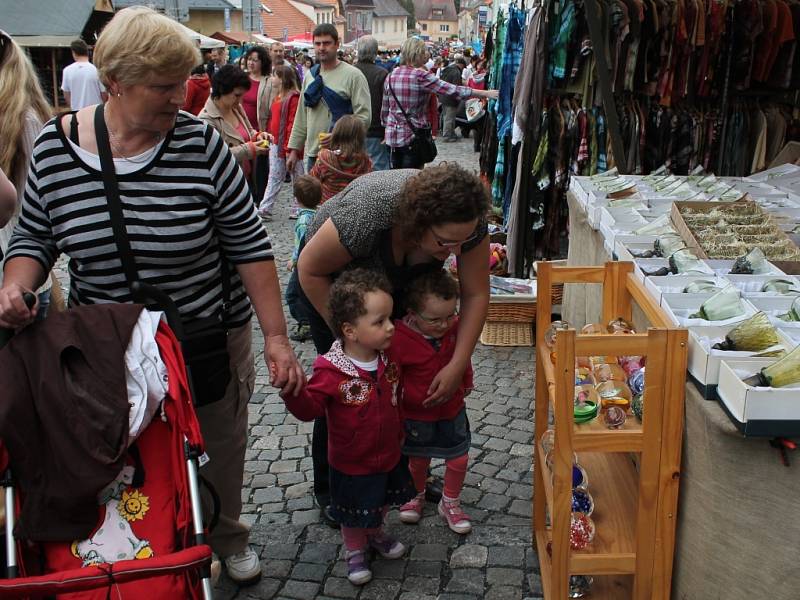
x=244, y=568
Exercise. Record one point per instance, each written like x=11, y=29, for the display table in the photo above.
x=739, y=509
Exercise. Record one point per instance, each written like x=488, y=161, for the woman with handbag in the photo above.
x=404, y=111
x=170, y=207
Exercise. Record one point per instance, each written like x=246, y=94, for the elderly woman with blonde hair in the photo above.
x=406, y=93
x=190, y=222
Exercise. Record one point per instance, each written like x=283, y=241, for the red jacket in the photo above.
x=197, y=91
x=420, y=362
x=274, y=125
x=365, y=427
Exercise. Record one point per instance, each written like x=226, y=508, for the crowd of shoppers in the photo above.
x=196, y=144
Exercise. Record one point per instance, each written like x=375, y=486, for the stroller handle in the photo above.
x=6, y=334
x=149, y=294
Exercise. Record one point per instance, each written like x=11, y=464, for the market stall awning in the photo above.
x=203, y=40
x=54, y=23
x=233, y=37
x=263, y=39
x=303, y=37
x=44, y=41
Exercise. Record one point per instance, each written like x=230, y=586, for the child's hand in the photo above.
x=290, y=265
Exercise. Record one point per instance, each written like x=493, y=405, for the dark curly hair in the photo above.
x=445, y=193
x=227, y=79
x=263, y=57
x=346, y=301
x=437, y=283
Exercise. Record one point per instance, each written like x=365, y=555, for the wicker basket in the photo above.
x=507, y=334
x=511, y=312
x=503, y=310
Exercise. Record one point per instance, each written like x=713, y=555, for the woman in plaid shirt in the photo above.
x=412, y=85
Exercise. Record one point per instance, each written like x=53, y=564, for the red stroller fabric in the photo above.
x=115, y=577
x=145, y=517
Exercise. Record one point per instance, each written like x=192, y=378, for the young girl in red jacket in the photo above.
x=355, y=385
x=281, y=121
x=424, y=342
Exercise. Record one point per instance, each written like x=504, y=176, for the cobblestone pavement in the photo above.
x=302, y=557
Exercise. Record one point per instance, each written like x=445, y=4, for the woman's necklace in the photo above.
x=115, y=146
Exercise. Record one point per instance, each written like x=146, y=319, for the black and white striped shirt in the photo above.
x=180, y=208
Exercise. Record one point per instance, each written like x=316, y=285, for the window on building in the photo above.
x=424, y=27
x=395, y=24
x=444, y=27
x=364, y=21
x=351, y=21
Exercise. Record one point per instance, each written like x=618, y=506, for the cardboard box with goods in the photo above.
x=757, y=411
x=728, y=230
x=676, y=284
x=704, y=359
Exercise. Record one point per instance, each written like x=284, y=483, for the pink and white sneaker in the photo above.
x=411, y=511
x=457, y=520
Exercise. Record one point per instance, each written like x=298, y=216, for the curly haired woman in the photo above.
x=404, y=222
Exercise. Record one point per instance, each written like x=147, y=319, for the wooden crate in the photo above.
x=635, y=506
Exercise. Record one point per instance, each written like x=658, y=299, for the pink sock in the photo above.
x=355, y=538
x=454, y=474
x=376, y=531
x=418, y=465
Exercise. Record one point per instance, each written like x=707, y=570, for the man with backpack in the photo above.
x=331, y=89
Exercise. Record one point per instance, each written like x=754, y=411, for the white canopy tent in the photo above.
x=203, y=41
x=265, y=40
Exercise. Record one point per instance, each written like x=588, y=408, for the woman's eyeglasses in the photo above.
x=449, y=244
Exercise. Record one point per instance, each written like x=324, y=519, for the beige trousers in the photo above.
x=224, y=427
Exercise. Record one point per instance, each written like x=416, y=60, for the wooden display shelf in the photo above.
x=605, y=587
x=634, y=516
x=591, y=436
x=612, y=485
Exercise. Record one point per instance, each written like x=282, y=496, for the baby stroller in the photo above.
x=148, y=541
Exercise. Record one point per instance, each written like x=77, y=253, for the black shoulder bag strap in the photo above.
x=400, y=106
x=118, y=220
x=112, y=197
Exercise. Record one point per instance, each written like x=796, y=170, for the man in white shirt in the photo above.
x=79, y=82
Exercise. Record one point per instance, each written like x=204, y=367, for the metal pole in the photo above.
x=197, y=511
x=55, y=78
x=12, y=570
